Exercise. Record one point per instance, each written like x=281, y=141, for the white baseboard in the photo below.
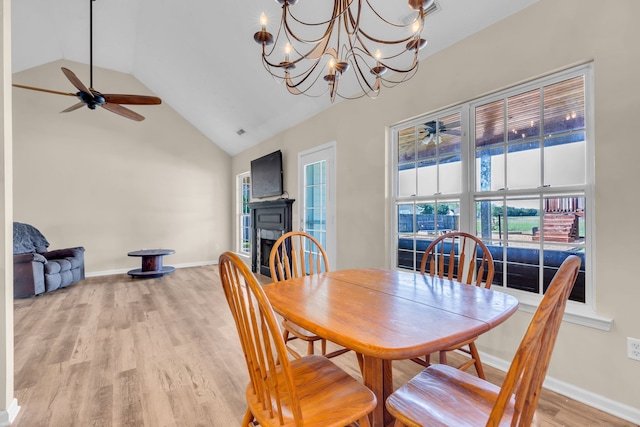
x=125, y=270
x=604, y=404
x=7, y=417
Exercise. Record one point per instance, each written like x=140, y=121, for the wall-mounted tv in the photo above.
x=266, y=176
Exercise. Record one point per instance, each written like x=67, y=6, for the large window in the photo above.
x=512, y=168
x=244, y=213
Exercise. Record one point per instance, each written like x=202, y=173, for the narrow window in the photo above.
x=244, y=213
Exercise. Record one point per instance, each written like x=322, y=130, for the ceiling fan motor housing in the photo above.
x=92, y=101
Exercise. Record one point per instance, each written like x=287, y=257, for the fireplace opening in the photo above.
x=269, y=220
x=265, y=251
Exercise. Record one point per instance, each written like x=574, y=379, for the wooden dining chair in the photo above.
x=442, y=395
x=310, y=391
x=296, y=254
x=464, y=258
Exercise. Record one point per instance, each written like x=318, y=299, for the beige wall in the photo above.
x=113, y=185
x=550, y=35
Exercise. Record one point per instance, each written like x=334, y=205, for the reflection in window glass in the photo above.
x=529, y=179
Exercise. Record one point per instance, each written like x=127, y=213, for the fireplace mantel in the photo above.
x=269, y=220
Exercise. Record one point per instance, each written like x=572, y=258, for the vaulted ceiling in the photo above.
x=199, y=56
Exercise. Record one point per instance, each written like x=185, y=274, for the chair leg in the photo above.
x=474, y=354
x=247, y=421
x=364, y=421
x=323, y=344
x=443, y=357
x=310, y=348
x=360, y=362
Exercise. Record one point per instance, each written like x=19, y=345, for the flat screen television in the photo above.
x=266, y=176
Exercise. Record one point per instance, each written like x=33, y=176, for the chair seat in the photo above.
x=314, y=376
x=442, y=395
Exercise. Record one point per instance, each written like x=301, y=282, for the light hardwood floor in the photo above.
x=114, y=351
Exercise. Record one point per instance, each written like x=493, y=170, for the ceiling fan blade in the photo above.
x=74, y=107
x=132, y=99
x=44, y=90
x=123, y=111
x=76, y=81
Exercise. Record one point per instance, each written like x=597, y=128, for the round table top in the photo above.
x=152, y=252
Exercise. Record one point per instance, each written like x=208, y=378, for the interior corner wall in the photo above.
x=113, y=185
x=545, y=37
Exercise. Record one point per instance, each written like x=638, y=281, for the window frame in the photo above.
x=577, y=312
x=240, y=208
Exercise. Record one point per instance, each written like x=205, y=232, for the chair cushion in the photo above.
x=54, y=266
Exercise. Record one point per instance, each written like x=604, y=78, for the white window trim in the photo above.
x=580, y=313
x=238, y=223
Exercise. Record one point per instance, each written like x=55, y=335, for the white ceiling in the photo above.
x=199, y=56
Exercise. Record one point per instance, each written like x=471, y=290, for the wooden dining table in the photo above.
x=388, y=315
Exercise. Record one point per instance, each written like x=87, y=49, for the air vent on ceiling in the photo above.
x=430, y=10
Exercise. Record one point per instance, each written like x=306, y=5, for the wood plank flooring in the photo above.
x=116, y=351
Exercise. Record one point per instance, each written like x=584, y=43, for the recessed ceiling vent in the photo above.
x=430, y=11
x=240, y=132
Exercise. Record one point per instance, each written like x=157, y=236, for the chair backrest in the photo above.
x=456, y=256
x=296, y=254
x=261, y=339
x=529, y=367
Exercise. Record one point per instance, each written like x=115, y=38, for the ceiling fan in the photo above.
x=433, y=131
x=91, y=97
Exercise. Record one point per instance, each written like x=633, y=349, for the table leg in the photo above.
x=152, y=263
x=378, y=377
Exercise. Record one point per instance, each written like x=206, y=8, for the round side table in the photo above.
x=151, y=263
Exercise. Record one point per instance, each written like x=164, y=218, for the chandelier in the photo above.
x=353, y=43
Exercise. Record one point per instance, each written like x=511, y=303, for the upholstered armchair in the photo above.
x=36, y=269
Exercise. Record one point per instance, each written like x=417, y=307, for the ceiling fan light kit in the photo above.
x=355, y=43
x=91, y=97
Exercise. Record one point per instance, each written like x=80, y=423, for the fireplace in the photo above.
x=269, y=220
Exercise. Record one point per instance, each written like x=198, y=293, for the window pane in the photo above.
x=406, y=252
x=406, y=218
x=450, y=174
x=407, y=145
x=564, y=106
x=523, y=221
x=427, y=177
x=490, y=169
x=523, y=165
x=489, y=221
x=433, y=219
x=490, y=124
x=523, y=112
x=565, y=160
x=564, y=220
x=407, y=180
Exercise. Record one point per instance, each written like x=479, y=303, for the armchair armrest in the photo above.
x=77, y=252
x=28, y=258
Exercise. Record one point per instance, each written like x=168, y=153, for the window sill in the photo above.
x=578, y=313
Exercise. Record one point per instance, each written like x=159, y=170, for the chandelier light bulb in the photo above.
x=416, y=27
x=287, y=49
x=264, y=20
x=378, y=54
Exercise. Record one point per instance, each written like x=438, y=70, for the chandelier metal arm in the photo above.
x=343, y=45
